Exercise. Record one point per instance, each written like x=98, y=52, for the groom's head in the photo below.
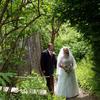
x=50, y=46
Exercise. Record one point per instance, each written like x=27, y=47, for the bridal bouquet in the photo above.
x=67, y=67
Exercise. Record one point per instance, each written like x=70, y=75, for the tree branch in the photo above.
x=39, y=7
x=4, y=9
x=52, y=24
x=0, y=1
x=30, y=23
x=58, y=27
x=5, y=36
x=18, y=9
x=14, y=44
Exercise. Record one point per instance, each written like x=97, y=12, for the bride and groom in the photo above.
x=67, y=83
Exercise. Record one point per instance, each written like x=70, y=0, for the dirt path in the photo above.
x=85, y=96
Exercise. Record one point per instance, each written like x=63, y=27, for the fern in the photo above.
x=5, y=77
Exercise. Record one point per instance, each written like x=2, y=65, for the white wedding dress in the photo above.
x=67, y=84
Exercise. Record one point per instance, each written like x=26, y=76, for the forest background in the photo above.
x=74, y=23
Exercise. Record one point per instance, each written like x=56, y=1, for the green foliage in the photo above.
x=83, y=53
x=5, y=78
x=16, y=23
x=3, y=96
x=30, y=87
x=16, y=20
x=85, y=16
x=34, y=81
x=45, y=40
x=86, y=76
x=70, y=37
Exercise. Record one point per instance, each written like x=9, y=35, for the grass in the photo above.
x=37, y=82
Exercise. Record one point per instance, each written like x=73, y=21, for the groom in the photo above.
x=48, y=64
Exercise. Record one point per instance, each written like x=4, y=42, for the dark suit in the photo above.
x=48, y=64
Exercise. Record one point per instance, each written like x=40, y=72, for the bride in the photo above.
x=67, y=83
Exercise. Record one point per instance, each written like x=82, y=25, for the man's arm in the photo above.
x=42, y=61
x=55, y=61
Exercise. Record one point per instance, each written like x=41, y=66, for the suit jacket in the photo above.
x=48, y=63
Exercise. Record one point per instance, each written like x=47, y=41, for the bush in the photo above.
x=86, y=76
x=70, y=37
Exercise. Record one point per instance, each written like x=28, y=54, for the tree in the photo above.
x=15, y=19
x=52, y=23
x=85, y=15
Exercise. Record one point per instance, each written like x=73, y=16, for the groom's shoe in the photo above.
x=67, y=98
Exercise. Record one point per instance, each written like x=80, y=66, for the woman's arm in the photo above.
x=62, y=66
